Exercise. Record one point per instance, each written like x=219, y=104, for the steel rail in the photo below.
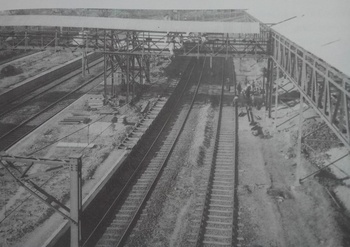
x=153, y=184
x=23, y=123
x=50, y=86
x=137, y=170
x=18, y=57
x=219, y=187
x=200, y=232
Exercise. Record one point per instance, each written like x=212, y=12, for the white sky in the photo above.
x=318, y=22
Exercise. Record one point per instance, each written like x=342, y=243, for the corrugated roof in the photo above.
x=130, y=24
x=320, y=26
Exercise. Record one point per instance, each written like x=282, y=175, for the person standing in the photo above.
x=239, y=88
x=249, y=105
x=247, y=95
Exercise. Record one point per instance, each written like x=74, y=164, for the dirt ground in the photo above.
x=274, y=208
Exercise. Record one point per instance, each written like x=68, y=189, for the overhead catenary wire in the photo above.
x=24, y=200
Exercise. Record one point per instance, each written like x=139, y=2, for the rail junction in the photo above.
x=127, y=46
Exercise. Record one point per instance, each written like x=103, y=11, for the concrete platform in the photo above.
x=16, y=90
x=55, y=226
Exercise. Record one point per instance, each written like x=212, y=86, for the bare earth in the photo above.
x=274, y=208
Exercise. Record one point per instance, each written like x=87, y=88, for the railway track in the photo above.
x=56, y=81
x=17, y=57
x=215, y=220
x=27, y=115
x=118, y=222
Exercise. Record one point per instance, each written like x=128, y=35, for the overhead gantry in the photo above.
x=127, y=44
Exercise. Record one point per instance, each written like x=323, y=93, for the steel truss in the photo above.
x=325, y=88
x=121, y=63
x=156, y=43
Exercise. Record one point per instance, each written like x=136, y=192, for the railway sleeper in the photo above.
x=219, y=223
x=215, y=243
x=219, y=202
x=105, y=242
x=224, y=215
x=222, y=174
x=137, y=191
x=224, y=160
x=125, y=213
x=225, y=153
x=218, y=236
x=121, y=219
x=228, y=166
x=109, y=237
x=219, y=218
x=224, y=197
x=223, y=188
x=225, y=148
x=220, y=191
x=113, y=230
x=136, y=196
x=219, y=211
x=223, y=177
x=225, y=171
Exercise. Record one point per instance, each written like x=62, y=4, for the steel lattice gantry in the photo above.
x=128, y=44
x=157, y=36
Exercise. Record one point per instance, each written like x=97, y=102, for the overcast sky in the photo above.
x=320, y=26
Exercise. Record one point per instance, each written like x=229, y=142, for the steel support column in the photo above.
x=276, y=96
x=56, y=39
x=26, y=39
x=105, y=68
x=127, y=78
x=75, y=200
x=269, y=84
x=300, y=135
x=22, y=174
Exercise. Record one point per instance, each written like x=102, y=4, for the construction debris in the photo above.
x=95, y=103
x=75, y=145
x=75, y=120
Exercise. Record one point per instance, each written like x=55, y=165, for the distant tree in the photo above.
x=104, y=12
x=18, y=12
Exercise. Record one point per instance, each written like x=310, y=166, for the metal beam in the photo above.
x=74, y=164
